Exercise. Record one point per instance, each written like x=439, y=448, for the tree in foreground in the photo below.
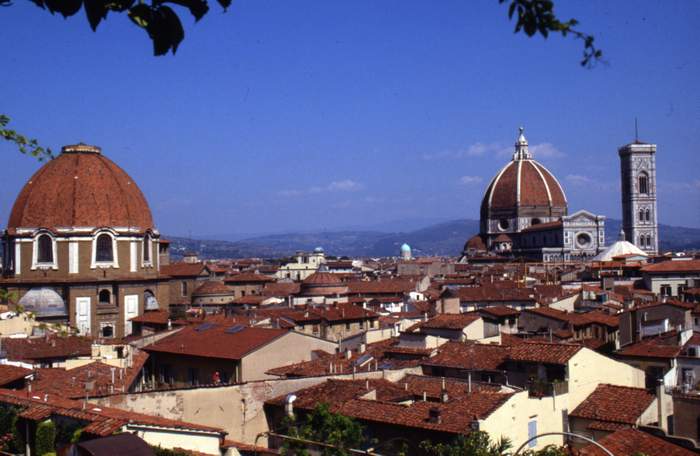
x=164, y=27
x=479, y=443
x=321, y=425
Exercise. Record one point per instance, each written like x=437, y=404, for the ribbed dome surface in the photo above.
x=323, y=278
x=523, y=183
x=80, y=188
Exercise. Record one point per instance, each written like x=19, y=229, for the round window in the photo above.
x=583, y=240
x=503, y=224
x=535, y=221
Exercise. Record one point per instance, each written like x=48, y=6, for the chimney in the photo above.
x=661, y=399
x=348, y=353
x=363, y=347
x=112, y=369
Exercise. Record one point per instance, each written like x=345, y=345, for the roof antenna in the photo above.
x=636, y=130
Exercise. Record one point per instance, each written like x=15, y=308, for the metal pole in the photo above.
x=569, y=434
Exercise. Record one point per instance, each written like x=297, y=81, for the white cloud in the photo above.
x=479, y=149
x=578, y=179
x=546, y=150
x=470, y=180
x=345, y=185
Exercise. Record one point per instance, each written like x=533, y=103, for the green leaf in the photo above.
x=96, y=11
x=198, y=8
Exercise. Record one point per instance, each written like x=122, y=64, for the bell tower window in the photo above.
x=45, y=249
x=643, y=183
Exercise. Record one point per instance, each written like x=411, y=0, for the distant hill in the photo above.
x=446, y=238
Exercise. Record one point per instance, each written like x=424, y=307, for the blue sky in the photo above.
x=285, y=115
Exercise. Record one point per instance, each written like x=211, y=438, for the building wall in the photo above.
x=587, y=369
x=238, y=409
x=511, y=419
x=288, y=349
x=84, y=260
x=208, y=443
x=686, y=416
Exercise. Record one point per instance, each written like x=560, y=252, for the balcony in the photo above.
x=545, y=389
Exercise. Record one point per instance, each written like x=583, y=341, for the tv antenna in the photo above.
x=636, y=130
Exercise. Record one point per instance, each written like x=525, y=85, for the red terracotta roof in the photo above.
x=322, y=278
x=469, y=356
x=211, y=340
x=655, y=347
x=38, y=348
x=213, y=287
x=382, y=286
x=183, y=269
x=103, y=420
x=347, y=397
x=248, y=277
x=281, y=289
x=158, y=317
x=618, y=404
x=670, y=266
x=72, y=383
x=450, y=321
x=9, y=374
x=499, y=311
x=631, y=442
x=80, y=189
x=543, y=352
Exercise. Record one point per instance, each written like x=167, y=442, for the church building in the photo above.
x=81, y=247
x=524, y=213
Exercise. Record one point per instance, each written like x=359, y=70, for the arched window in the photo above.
x=146, y=249
x=45, y=249
x=104, y=248
x=107, y=331
x=643, y=183
x=647, y=215
x=105, y=297
x=648, y=240
x=641, y=215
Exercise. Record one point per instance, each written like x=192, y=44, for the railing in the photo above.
x=543, y=389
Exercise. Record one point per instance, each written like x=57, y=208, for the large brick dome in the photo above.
x=524, y=183
x=81, y=188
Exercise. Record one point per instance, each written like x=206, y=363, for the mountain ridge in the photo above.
x=444, y=239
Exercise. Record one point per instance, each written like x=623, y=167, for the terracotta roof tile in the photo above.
x=629, y=442
x=38, y=348
x=211, y=340
x=670, y=266
x=618, y=404
x=10, y=374
x=543, y=352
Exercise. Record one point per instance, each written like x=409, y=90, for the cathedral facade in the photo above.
x=81, y=248
x=524, y=213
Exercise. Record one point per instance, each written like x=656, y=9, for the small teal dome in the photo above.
x=405, y=248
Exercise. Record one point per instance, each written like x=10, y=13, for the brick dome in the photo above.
x=80, y=188
x=523, y=183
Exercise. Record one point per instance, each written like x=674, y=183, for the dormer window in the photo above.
x=45, y=249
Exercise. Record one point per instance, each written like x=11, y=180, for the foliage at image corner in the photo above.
x=26, y=146
x=164, y=27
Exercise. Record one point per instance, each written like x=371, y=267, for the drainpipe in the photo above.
x=661, y=399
